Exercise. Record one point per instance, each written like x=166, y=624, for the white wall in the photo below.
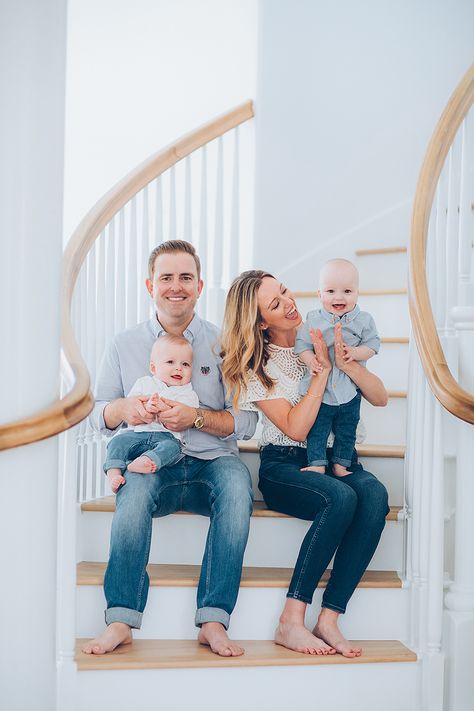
x=142, y=73
x=348, y=96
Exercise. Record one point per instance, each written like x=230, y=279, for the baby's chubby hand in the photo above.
x=314, y=366
x=155, y=404
x=349, y=353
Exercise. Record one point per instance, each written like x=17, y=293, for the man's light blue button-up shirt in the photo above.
x=128, y=358
x=358, y=329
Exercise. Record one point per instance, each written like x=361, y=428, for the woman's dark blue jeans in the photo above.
x=348, y=515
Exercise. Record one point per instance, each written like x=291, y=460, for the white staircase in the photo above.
x=166, y=666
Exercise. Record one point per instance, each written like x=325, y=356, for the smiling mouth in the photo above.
x=293, y=313
x=177, y=377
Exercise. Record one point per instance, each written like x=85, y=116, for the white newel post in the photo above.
x=459, y=616
x=32, y=78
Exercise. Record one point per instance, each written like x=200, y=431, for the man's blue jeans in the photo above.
x=347, y=513
x=163, y=448
x=219, y=488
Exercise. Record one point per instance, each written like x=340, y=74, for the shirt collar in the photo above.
x=190, y=332
x=346, y=318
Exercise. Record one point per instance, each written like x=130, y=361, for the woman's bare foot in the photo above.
x=142, y=465
x=320, y=470
x=327, y=629
x=300, y=639
x=116, y=479
x=115, y=634
x=339, y=470
x=214, y=635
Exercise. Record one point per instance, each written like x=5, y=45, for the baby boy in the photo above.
x=340, y=408
x=148, y=447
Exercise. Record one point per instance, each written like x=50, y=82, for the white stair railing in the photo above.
x=199, y=196
x=441, y=374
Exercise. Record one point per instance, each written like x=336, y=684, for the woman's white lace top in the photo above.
x=287, y=370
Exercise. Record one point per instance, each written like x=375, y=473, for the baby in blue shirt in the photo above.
x=340, y=408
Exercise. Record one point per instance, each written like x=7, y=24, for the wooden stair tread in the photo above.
x=381, y=250
x=107, y=504
x=178, y=575
x=396, y=451
x=397, y=393
x=394, y=339
x=362, y=292
x=183, y=653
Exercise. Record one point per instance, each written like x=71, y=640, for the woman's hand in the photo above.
x=339, y=348
x=320, y=349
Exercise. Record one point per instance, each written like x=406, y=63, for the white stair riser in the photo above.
x=385, y=425
x=388, y=470
x=359, y=686
x=169, y=613
x=382, y=271
x=390, y=312
x=391, y=365
x=272, y=541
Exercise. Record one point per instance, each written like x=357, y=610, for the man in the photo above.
x=209, y=480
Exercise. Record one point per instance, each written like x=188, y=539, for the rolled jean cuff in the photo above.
x=300, y=597
x=156, y=459
x=343, y=462
x=129, y=617
x=211, y=614
x=318, y=463
x=114, y=464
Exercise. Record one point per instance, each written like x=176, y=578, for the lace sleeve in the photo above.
x=257, y=391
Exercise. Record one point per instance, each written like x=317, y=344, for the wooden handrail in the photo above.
x=78, y=403
x=444, y=386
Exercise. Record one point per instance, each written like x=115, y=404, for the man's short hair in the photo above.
x=173, y=246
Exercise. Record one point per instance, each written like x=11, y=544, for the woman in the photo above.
x=348, y=513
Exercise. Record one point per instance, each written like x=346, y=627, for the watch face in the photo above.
x=199, y=422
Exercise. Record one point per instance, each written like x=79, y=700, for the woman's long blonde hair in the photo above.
x=245, y=346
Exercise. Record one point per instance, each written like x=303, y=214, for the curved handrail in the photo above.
x=77, y=404
x=446, y=389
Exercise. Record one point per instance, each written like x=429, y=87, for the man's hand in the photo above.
x=177, y=417
x=127, y=409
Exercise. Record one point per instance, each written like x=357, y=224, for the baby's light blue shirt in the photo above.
x=358, y=329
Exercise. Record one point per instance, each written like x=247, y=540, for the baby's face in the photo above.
x=172, y=363
x=339, y=289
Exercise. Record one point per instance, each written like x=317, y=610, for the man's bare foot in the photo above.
x=300, y=639
x=339, y=470
x=327, y=629
x=320, y=470
x=116, y=479
x=142, y=465
x=115, y=634
x=214, y=635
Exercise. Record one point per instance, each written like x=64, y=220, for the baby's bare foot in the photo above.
x=327, y=629
x=339, y=470
x=116, y=480
x=320, y=470
x=300, y=639
x=142, y=465
x=115, y=634
x=214, y=635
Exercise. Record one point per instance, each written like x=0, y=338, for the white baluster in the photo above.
x=172, y=234
x=216, y=291
x=132, y=266
x=110, y=284
x=142, y=274
x=120, y=280
x=188, y=213
x=459, y=617
x=158, y=212
x=100, y=317
x=89, y=323
x=234, y=266
x=466, y=214
x=441, y=249
x=203, y=240
x=452, y=233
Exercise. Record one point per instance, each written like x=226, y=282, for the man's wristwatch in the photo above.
x=199, y=421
